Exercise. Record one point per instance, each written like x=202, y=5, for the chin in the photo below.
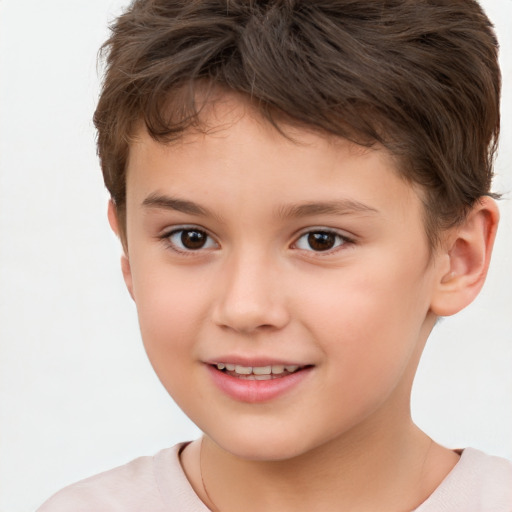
x=269, y=447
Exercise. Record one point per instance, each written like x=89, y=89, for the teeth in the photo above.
x=262, y=370
x=262, y=377
x=243, y=370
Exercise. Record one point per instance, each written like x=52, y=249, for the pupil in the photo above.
x=321, y=241
x=193, y=239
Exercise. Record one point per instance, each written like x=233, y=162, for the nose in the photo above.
x=250, y=296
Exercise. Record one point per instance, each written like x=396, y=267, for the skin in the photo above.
x=358, y=313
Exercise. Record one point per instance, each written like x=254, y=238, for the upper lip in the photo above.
x=253, y=361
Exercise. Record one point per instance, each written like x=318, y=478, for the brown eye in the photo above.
x=193, y=239
x=319, y=241
x=190, y=240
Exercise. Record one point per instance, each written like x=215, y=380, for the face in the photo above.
x=283, y=287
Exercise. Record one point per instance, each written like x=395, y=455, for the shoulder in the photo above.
x=147, y=483
x=478, y=483
x=492, y=476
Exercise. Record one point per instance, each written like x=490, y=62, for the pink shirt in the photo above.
x=478, y=483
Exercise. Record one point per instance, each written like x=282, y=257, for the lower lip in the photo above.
x=256, y=391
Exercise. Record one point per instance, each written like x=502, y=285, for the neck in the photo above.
x=380, y=471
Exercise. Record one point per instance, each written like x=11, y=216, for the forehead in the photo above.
x=237, y=154
x=224, y=116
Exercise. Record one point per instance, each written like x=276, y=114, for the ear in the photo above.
x=113, y=220
x=465, y=259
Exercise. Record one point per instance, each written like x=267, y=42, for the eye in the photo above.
x=320, y=241
x=190, y=239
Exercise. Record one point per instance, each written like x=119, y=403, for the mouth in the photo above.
x=261, y=382
x=269, y=372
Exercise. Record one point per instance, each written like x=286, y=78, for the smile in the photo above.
x=257, y=372
x=257, y=384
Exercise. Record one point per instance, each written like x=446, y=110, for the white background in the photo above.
x=77, y=394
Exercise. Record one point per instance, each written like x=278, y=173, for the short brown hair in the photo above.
x=418, y=76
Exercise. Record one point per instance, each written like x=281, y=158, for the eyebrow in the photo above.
x=173, y=203
x=340, y=207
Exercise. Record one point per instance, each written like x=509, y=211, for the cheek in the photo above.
x=165, y=310
x=368, y=323
x=170, y=311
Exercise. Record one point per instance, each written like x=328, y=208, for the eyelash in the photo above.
x=168, y=235
x=339, y=240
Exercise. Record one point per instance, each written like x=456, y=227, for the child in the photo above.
x=301, y=190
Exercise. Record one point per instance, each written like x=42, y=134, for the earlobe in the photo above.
x=112, y=217
x=466, y=258
x=127, y=274
x=125, y=262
